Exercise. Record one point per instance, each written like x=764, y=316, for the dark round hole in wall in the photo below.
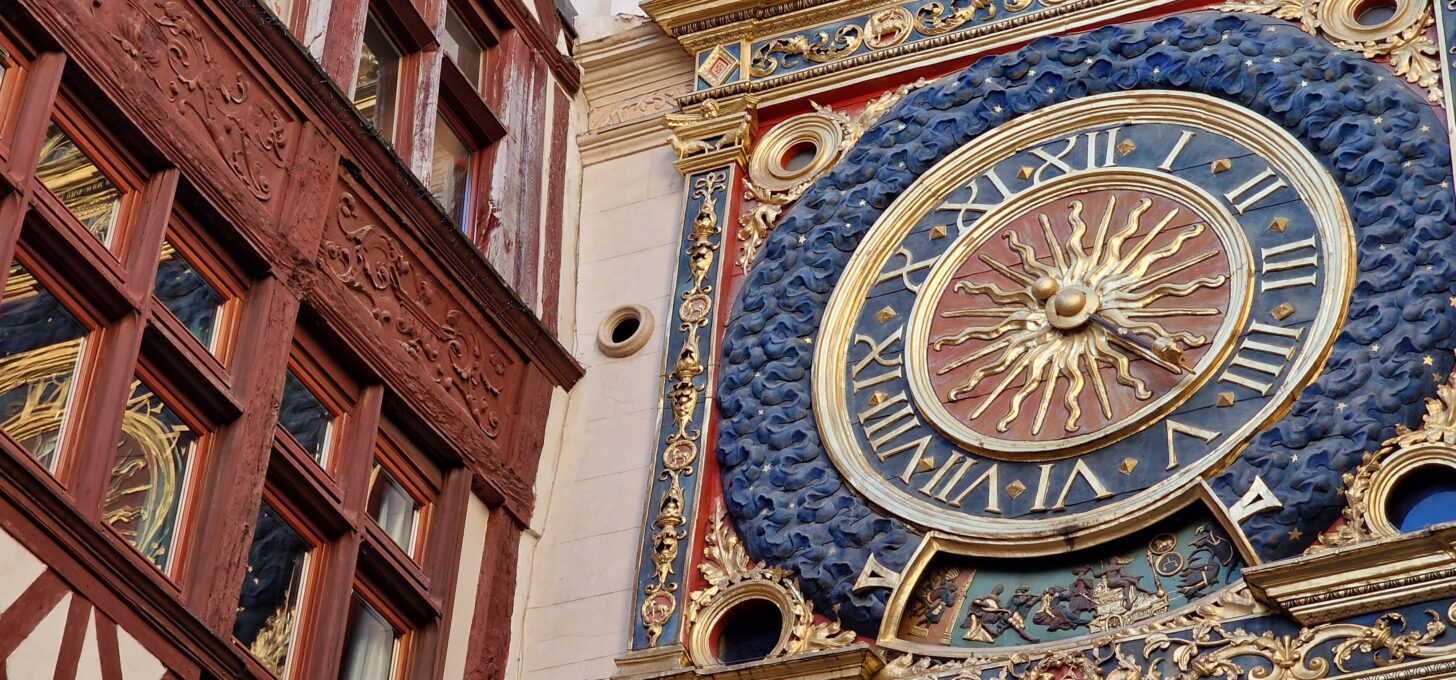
x=1424, y=497
x=1374, y=12
x=799, y=156
x=749, y=631
x=625, y=329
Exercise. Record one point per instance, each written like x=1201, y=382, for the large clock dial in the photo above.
x=1078, y=316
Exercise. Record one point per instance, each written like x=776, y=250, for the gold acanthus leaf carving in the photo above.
x=755, y=226
x=1438, y=428
x=728, y=571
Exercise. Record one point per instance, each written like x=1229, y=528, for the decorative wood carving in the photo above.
x=216, y=98
x=405, y=297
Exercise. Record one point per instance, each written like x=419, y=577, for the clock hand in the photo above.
x=1164, y=352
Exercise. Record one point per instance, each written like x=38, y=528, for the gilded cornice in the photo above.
x=714, y=133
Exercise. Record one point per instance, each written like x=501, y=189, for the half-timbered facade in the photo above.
x=279, y=324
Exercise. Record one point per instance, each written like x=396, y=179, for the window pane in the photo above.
x=181, y=289
x=272, y=589
x=149, y=475
x=304, y=416
x=461, y=46
x=40, y=348
x=81, y=186
x=376, y=86
x=283, y=9
x=450, y=171
x=369, y=652
x=393, y=508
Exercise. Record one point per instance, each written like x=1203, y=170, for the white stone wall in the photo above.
x=577, y=566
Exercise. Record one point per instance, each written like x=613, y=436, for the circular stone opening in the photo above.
x=1423, y=497
x=1373, y=13
x=624, y=331
x=799, y=156
x=749, y=631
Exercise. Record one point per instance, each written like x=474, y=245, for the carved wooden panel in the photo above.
x=412, y=303
x=218, y=100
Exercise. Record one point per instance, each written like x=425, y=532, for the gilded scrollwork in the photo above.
x=1404, y=39
x=684, y=396
x=1368, y=488
x=1211, y=647
x=818, y=48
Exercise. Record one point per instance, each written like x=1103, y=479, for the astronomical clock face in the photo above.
x=1091, y=334
x=1060, y=327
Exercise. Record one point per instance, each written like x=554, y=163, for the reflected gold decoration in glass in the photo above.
x=40, y=349
x=183, y=290
x=272, y=591
x=81, y=186
x=149, y=475
x=450, y=171
x=376, y=87
x=304, y=417
x=393, y=508
x=369, y=653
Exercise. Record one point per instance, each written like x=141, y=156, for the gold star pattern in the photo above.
x=1295, y=533
x=1427, y=360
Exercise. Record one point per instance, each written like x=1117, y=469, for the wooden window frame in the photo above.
x=407, y=649
x=120, y=168
x=207, y=258
x=12, y=87
x=321, y=553
x=397, y=455
x=64, y=470
x=328, y=382
x=406, y=29
x=177, y=399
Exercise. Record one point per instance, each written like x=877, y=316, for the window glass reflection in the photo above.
x=376, y=86
x=369, y=653
x=145, y=497
x=393, y=508
x=272, y=591
x=450, y=170
x=283, y=9
x=40, y=348
x=181, y=289
x=461, y=46
x=72, y=176
x=302, y=415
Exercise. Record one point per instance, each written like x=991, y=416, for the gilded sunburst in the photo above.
x=1099, y=307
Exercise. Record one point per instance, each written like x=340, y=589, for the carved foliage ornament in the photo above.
x=685, y=388
x=732, y=580
x=882, y=29
x=451, y=348
x=1213, y=648
x=213, y=95
x=1369, y=488
x=794, y=505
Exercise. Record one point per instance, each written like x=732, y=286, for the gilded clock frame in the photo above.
x=1055, y=534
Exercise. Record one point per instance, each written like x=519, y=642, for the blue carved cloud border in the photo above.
x=1380, y=140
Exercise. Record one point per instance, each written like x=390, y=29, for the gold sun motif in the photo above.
x=1077, y=308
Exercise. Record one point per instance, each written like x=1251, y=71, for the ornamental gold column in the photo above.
x=712, y=141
